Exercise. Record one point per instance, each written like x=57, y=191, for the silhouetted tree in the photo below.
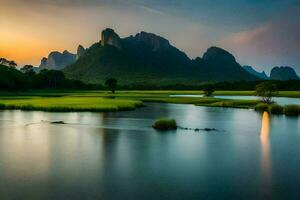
x=208, y=90
x=266, y=91
x=12, y=63
x=4, y=61
x=111, y=84
x=28, y=69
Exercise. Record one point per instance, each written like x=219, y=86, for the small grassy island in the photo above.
x=165, y=124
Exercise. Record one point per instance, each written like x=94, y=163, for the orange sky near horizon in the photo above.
x=23, y=48
x=31, y=29
x=32, y=32
x=19, y=39
x=28, y=35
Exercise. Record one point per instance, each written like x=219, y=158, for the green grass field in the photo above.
x=68, y=103
x=47, y=100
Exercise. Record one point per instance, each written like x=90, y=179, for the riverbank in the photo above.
x=68, y=104
x=101, y=101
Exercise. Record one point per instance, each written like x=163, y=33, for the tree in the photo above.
x=12, y=64
x=208, y=90
x=4, y=61
x=111, y=84
x=27, y=69
x=266, y=91
x=52, y=78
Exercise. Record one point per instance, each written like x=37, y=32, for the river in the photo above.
x=119, y=156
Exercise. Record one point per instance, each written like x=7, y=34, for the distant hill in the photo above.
x=219, y=65
x=261, y=75
x=283, y=73
x=150, y=59
x=58, y=61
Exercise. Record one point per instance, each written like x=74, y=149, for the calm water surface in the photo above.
x=118, y=156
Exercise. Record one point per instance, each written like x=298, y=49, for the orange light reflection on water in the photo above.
x=265, y=156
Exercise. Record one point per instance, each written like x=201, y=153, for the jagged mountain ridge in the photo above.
x=150, y=59
x=58, y=61
x=251, y=70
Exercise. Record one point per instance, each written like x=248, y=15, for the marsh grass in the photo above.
x=97, y=101
x=165, y=124
x=261, y=107
x=275, y=109
x=292, y=110
x=235, y=103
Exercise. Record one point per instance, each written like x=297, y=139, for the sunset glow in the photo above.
x=260, y=36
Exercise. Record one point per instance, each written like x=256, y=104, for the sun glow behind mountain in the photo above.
x=33, y=28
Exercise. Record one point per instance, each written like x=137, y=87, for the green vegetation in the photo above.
x=12, y=79
x=234, y=103
x=291, y=94
x=9, y=63
x=292, y=110
x=266, y=91
x=70, y=100
x=275, y=109
x=261, y=107
x=135, y=62
x=67, y=104
x=111, y=84
x=165, y=124
x=208, y=91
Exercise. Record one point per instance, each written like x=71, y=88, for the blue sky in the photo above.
x=261, y=33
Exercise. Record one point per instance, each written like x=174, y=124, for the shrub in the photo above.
x=293, y=110
x=275, y=109
x=261, y=107
x=208, y=91
x=266, y=91
x=2, y=106
x=165, y=124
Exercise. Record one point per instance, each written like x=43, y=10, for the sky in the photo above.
x=260, y=33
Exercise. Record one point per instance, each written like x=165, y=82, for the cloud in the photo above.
x=276, y=42
x=151, y=10
x=191, y=25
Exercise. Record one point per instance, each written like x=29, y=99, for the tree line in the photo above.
x=27, y=78
x=12, y=79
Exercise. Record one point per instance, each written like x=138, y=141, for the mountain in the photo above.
x=147, y=58
x=219, y=65
x=80, y=51
x=283, y=73
x=58, y=61
x=261, y=75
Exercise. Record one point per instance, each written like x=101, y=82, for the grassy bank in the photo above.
x=290, y=110
x=67, y=104
x=47, y=100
